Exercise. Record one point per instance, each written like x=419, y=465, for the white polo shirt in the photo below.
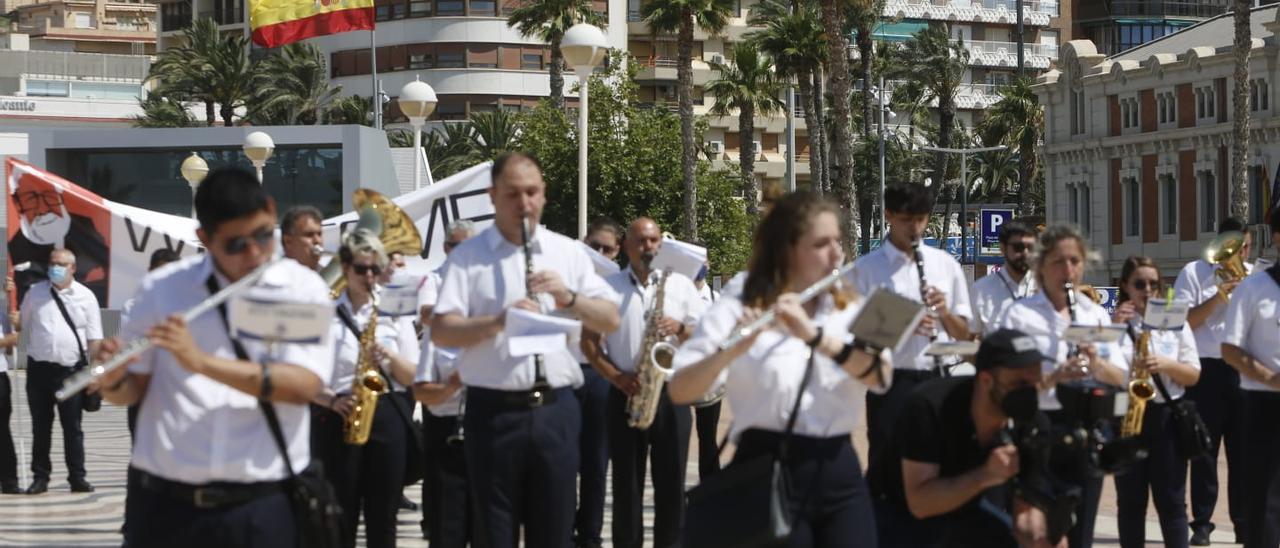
x=194, y=429
x=995, y=292
x=1036, y=317
x=49, y=337
x=1177, y=344
x=1253, y=324
x=890, y=268
x=486, y=274
x=1197, y=283
x=392, y=333
x=680, y=302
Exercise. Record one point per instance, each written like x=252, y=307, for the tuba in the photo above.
x=1140, y=389
x=654, y=365
x=386, y=220
x=1225, y=251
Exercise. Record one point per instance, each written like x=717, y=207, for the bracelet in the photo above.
x=264, y=393
x=844, y=353
x=572, y=300
x=873, y=368
x=813, y=343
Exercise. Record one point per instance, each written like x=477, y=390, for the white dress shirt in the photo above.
x=1177, y=344
x=762, y=384
x=486, y=274
x=392, y=333
x=708, y=295
x=1253, y=324
x=680, y=302
x=890, y=268
x=995, y=292
x=194, y=429
x=49, y=337
x=435, y=366
x=1196, y=284
x=1036, y=317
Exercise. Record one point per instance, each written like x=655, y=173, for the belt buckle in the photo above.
x=538, y=396
x=205, y=497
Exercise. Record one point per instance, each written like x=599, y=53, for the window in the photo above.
x=1077, y=112
x=47, y=88
x=1258, y=95
x=483, y=7
x=1129, y=113
x=482, y=56
x=531, y=61
x=450, y=7
x=1169, y=197
x=1206, y=103
x=1132, y=207
x=421, y=61
x=84, y=20
x=451, y=59
x=1073, y=203
x=1086, y=210
x=1208, y=202
x=1167, y=107
x=419, y=8
x=453, y=109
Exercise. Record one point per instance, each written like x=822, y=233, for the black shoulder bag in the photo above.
x=316, y=514
x=1190, y=434
x=748, y=504
x=88, y=402
x=415, y=460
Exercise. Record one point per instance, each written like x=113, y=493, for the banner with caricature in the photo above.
x=113, y=242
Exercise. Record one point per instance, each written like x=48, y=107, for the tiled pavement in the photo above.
x=61, y=518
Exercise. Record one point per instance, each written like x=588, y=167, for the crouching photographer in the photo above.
x=948, y=481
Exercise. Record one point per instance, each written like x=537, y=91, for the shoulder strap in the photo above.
x=62, y=307
x=1154, y=378
x=268, y=409
x=350, y=322
x=795, y=408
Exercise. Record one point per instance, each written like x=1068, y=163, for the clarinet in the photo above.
x=924, y=298
x=1074, y=350
x=540, y=375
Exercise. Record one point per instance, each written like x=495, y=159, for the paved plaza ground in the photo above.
x=61, y=518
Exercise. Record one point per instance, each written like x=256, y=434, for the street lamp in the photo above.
x=417, y=101
x=583, y=47
x=258, y=146
x=964, y=193
x=193, y=169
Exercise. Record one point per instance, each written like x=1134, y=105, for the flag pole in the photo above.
x=376, y=99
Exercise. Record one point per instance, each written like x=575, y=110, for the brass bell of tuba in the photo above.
x=388, y=222
x=1226, y=251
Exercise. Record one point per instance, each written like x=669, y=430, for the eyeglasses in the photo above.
x=1019, y=247
x=363, y=269
x=260, y=237
x=1143, y=285
x=602, y=247
x=29, y=200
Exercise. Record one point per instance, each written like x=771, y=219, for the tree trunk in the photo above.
x=866, y=50
x=815, y=159
x=747, y=159
x=210, y=117
x=820, y=126
x=1240, y=105
x=1026, y=166
x=684, y=92
x=842, y=140
x=555, y=73
x=946, y=218
x=946, y=120
x=228, y=113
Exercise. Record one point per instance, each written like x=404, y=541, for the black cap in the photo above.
x=1008, y=348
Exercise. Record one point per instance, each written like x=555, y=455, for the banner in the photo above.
x=279, y=22
x=113, y=242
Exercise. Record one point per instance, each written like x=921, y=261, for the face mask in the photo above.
x=1021, y=404
x=57, y=274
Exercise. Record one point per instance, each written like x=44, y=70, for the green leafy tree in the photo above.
x=352, y=109
x=938, y=65
x=183, y=72
x=159, y=111
x=548, y=20
x=292, y=87
x=747, y=85
x=1017, y=120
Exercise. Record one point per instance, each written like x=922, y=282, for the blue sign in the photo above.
x=1110, y=298
x=990, y=221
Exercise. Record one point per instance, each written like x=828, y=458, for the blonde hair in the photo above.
x=362, y=241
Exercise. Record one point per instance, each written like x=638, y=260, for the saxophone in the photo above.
x=653, y=367
x=366, y=387
x=1140, y=389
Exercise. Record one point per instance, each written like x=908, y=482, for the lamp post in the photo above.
x=193, y=169
x=583, y=46
x=258, y=146
x=964, y=192
x=417, y=101
x=885, y=112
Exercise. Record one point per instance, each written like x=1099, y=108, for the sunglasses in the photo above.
x=1143, y=285
x=1019, y=247
x=363, y=269
x=601, y=247
x=260, y=237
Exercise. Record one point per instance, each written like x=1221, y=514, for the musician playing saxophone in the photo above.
x=369, y=477
x=655, y=306
x=199, y=424
x=1172, y=356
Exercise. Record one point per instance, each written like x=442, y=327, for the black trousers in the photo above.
x=369, y=478
x=1164, y=474
x=43, y=379
x=1074, y=470
x=446, y=487
x=157, y=521
x=706, y=419
x=593, y=396
x=829, y=497
x=8, y=455
x=666, y=445
x=882, y=413
x=523, y=463
x=1262, y=469
x=1218, y=398
x=897, y=528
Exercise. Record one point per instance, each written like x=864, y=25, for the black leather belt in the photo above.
x=207, y=496
x=519, y=399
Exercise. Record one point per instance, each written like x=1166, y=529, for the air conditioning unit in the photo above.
x=756, y=148
x=715, y=147
x=717, y=58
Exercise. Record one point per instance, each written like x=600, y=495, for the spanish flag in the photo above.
x=280, y=22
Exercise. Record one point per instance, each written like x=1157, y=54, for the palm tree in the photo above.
x=161, y=111
x=293, y=87
x=865, y=16
x=232, y=75
x=833, y=22
x=681, y=17
x=493, y=133
x=548, y=20
x=1016, y=120
x=793, y=37
x=1240, y=110
x=999, y=177
x=749, y=86
x=182, y=72
x=938, y=65
x=352, y=109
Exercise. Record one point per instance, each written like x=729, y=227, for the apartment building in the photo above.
x=67, y=88
x=1118, y=25
x=1138, y=145
x=176, y=15
x=125, y=27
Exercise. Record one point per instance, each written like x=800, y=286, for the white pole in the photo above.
x=791, y=138
x=883, y=135
x=417, y=155
x=583, y=77
x=258, y=166
x=373, y=78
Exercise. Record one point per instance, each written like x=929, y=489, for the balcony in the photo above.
x=1005, y=54
x=1034, y=13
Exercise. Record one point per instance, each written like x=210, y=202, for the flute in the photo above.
x=924, y=299
x=805, y=296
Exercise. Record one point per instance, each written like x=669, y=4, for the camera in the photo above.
x=1085, y=436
